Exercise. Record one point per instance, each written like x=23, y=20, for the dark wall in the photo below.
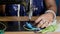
x=58, y=7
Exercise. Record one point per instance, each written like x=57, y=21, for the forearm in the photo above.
x=51, y=5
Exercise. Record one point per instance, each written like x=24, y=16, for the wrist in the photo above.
x=52, y=13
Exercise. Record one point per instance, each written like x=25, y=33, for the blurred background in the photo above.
x=2, y=13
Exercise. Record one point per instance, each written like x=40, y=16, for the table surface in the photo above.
x=14, y=18
x=31, y=33
x=21, y=18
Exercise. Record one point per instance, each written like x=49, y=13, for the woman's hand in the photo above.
x=44, y=20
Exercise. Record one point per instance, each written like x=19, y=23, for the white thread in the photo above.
x=18, y=15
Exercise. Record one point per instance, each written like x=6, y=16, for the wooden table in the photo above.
x=21, y=18
x=30, y=33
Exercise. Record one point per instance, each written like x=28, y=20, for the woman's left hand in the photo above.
x=44, y=20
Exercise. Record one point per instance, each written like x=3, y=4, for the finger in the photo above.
x=49, y=24
x=37, y=23
x=38, y=20
x=40, y=23
x=44, y=25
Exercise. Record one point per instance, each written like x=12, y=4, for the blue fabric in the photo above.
x=11, y=9
x=38, y=4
